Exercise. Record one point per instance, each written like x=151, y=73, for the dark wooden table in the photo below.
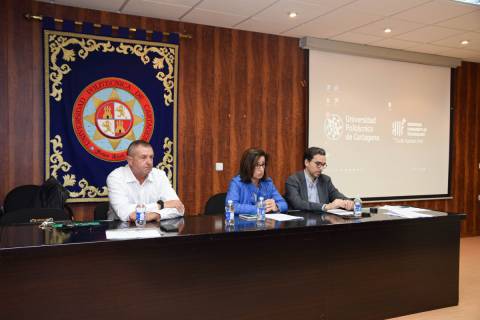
x=322, y=267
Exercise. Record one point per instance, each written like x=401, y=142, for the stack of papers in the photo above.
x=282, y=217
x=406, y=212
x=132, y=233
x=341, y=212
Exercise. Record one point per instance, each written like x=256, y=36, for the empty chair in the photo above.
x=101, y=211
x=50, y=195
x=26, y=215
x=21, y=197
x=215, y=204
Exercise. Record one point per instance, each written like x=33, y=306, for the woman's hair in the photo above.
x=249, y=160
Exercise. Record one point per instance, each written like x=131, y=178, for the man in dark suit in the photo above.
x=311, y=190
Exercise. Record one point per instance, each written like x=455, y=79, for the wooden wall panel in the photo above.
x=237, y=89
x=22, y=115
x=4, y=103
x=476, y=137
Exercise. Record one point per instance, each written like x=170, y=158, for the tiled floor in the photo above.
x=469, y=305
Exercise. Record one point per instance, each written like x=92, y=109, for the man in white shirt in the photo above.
x=140, y=183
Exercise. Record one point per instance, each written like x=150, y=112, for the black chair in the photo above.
x=26, y=215
x=101, y=211
x=32, y=197
x=215, y=204
x=22, y=197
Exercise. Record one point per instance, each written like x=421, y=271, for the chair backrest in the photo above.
x=52, y=194
x=215, y=204
x=101, y=211
x=25, y=215
x=21, y=197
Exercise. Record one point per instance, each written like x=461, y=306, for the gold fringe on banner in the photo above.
x=96, y=25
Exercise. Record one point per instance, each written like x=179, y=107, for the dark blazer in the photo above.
x=297, y=193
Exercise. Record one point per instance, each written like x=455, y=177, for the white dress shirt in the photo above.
x=125, y=192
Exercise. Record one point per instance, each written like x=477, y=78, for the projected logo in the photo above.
x=409, y=132
x=416, y=129
x=333, y=126
x=398, y=127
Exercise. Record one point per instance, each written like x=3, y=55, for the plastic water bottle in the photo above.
x=261, y=209
x=229, y=214
x=357, y=207
x=140, y=215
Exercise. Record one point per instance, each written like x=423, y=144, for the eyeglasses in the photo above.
x=320, y=164
x=260, y=165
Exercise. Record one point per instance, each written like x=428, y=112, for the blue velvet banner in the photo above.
x=101, y=93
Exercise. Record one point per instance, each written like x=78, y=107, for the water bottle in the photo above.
x=357, y=207
x=261, y=209
x=229, y=214
x=140, y=215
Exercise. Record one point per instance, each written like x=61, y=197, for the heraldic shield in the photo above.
x=102, y=92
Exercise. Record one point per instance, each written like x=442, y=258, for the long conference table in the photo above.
x=320, y=267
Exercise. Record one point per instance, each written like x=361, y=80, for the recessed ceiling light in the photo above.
x=387, y=30
x=292, y=14
x=465, y=42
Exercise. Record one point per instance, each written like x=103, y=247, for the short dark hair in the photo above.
x=312, y=152
x=248, y=162
x=137, y=143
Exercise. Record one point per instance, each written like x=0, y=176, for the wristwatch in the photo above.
x=161, y=204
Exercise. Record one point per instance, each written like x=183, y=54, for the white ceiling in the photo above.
x=429, y=26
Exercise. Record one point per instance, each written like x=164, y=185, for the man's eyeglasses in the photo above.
x=260, y=165
x=320, y=164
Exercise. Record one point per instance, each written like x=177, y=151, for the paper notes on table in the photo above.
x=132, y=233
x=281, y=217
x=406, y=212
x=341, y=212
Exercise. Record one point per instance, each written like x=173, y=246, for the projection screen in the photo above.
x=385, y=125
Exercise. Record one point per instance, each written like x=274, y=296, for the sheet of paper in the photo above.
x=420, y=209
x=340, y=212
x=132, y=233
x=282, y=217
x=406, y=212
x=409, y=215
